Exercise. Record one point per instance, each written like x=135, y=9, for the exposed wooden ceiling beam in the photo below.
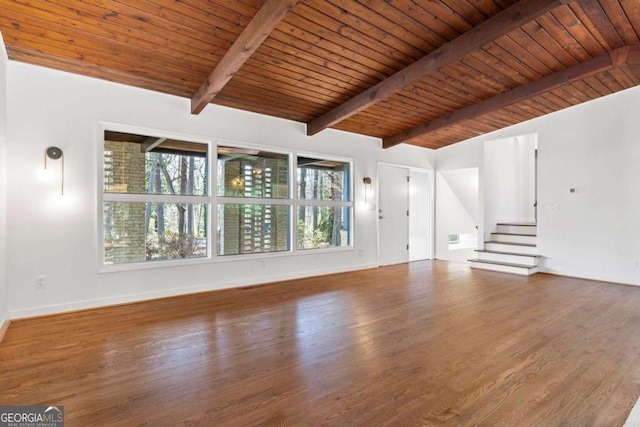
x=256, y=32
x=606, y=61
x=493, y=28
x=632, y=54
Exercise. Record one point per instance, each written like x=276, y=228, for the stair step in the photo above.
x=507, y=253
x=503, y=267
x=508, y=264
x=507, y=257
x=520, y=248
x=532, y=245
x=514, y=237
x=522, y=229
x=512, y=249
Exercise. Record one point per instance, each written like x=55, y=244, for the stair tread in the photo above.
x=507, y=253
x=506, y=264
x=515, y=234
x=519, y=224
x=531, y=245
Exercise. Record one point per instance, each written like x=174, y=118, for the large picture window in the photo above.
x=253, y=201
x=157, y=203
x=154, y=199
x=324, y=210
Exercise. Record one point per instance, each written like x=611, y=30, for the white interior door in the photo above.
x=393, y=219
x=419, y=216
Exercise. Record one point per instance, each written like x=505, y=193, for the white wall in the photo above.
x=57, y=236
x=456, y=211
x=509, y=180
x=593, y=147
x=4, y=307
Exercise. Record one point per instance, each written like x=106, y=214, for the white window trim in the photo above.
x=103, y=197
x=154, y=198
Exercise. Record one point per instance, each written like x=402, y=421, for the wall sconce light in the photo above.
x=55, y=153
x=367, y=188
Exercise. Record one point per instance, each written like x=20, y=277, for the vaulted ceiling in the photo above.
x=428, y=73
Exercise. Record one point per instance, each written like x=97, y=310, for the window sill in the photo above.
x=136, y=266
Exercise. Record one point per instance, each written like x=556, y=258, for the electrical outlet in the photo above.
x=263, y=264
x=41, y=282
x=360, y=252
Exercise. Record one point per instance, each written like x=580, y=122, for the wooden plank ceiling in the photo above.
x=311, y=63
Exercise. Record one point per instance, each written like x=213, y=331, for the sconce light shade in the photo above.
x=55, y=153
x=367, y=188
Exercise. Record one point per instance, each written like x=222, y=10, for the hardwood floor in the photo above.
x=427, y=343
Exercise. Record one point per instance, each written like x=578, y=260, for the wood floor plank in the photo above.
x=426, y=343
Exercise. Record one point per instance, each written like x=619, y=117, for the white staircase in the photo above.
x=512, y=249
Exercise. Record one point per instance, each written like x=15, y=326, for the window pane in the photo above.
x=138, y=164
x=322, y=179
x=247, y=229
x=252, y=173
x=138, y=232
x=463, y=241
x=323, y=227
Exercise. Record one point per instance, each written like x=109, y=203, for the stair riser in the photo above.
x=513, y=239
x=532, y=250
x=517, y=229
x=505, y=269
x=514, y=259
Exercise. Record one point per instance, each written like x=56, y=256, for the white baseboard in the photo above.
x=598, y=277
x=4, y=325
x=164, y=293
